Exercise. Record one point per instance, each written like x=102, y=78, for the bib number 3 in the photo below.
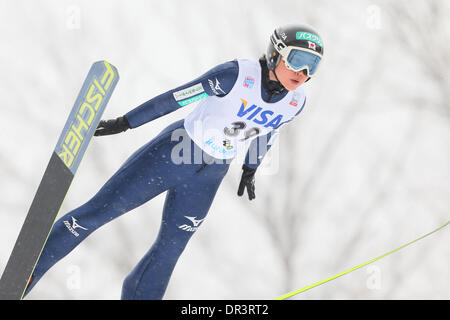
x=237, y=127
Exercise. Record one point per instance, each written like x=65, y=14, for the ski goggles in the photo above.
x=299, y=59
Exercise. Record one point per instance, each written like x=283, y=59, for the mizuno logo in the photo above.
x=195, y=224
x=216, y=88
x=73, y=226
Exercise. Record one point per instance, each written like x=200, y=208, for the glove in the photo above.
x=247, y=181
x=107, y=127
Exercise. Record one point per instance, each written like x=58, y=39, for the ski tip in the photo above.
x=106, y=65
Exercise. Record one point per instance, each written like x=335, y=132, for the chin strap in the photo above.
x=271, y=86
x=278, y=80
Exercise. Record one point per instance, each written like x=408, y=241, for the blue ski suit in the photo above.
x=191, y=188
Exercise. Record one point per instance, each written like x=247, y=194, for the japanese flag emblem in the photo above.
x=311, y=45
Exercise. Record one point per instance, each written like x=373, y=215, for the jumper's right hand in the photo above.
x=107, y=127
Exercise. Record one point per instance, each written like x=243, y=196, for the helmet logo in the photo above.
x=311, y=45
x=309, y=36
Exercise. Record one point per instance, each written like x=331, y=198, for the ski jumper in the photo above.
x=233, y=113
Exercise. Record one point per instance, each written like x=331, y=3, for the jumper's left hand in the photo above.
x=247, y=181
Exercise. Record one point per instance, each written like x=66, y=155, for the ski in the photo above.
x=65, y=159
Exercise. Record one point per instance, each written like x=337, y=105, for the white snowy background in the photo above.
x=363, y=170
